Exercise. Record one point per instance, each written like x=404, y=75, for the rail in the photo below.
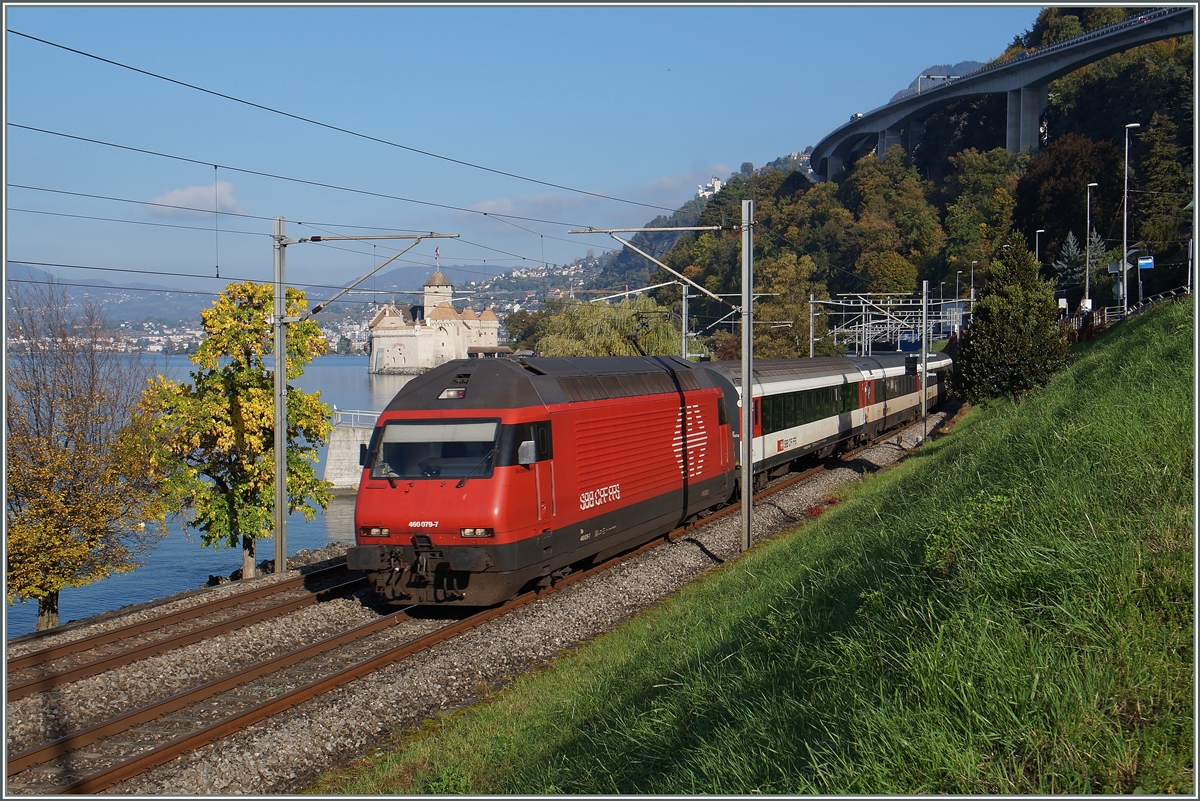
x=1107, y=316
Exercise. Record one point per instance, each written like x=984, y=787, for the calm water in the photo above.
x=180, y=562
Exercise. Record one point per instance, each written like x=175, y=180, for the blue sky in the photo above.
x=638, y=103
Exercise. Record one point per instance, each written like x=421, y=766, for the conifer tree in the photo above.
x=1014, y=343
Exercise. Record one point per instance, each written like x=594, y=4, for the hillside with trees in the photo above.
x=884, y=225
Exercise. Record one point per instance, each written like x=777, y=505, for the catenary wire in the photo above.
x=303, y=181
x=337, y=128
x=166, y=291
x=316, y=225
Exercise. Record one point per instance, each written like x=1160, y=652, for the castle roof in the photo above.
x=488, y=314
x=391, y=316
x=438, y=279
x=442, y=311
x=468, y=314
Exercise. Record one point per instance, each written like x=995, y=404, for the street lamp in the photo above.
x=1037, y=244
x=1125, y=229
x=1087, y=253
x=941, y=308
x=957, y=308
x=973, y=284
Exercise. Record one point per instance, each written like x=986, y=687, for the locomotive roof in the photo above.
x=507, y=384
x=516, y=383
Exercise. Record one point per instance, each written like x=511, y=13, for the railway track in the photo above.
x=46, y=668
x=101, y=755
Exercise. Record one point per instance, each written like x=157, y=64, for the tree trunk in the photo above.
x=248, y=570
x=47, y=612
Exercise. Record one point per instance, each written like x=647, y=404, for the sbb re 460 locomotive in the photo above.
x=484, y=476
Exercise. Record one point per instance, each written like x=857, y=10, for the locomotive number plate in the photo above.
x=599, y=497
x=422, y=524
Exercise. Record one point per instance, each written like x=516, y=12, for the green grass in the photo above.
x=1010, y=610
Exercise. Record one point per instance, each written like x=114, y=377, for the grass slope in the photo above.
x=1009, y=610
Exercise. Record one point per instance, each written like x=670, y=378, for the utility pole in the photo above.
x=811, y=330
x=280, y=369
x=684, y=324
x=924, y=355
x=747, y=440
x=281, y=243
x=1125, y=230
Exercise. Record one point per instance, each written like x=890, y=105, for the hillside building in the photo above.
x=412, y=339
x=709, y=189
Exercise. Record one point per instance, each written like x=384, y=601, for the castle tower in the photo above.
x=438, y=289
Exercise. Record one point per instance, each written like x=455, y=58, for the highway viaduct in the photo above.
x=1024, y=78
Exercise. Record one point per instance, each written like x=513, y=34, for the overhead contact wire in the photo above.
x=337, y=128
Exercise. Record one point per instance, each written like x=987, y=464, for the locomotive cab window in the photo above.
x=511, y=437
x=435, y=449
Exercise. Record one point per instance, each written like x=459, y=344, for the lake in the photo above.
x=179, y=561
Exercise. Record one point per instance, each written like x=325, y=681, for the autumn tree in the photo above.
x=221, y=426
x=894, y=216
x=783, y=311
x=978, y=198
x=88, y=489
x=1014, y=343
x=1052, y=193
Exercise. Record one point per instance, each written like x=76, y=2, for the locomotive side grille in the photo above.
x=610, y=387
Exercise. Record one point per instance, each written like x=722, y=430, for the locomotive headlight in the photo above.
x=475, y=532
x=375, y=532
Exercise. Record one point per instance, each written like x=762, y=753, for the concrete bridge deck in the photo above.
x=1025, y=79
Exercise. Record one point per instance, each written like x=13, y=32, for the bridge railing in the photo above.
x=354, y=418
x=1136, y=19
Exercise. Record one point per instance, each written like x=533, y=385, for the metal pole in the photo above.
x=924, y=355
x=811, y=297
x=684, y=325
x=957, y=305
x=747, y=449
x=1087, y=258
x=280, y=400
x=1125, y=229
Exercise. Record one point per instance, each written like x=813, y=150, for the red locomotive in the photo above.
x=486, y=475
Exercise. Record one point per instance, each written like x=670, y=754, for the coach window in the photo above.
x=789, y=413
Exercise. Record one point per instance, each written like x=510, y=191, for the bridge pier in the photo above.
x=887, y=138
x=1025, y=108
x=913, y=135
x=833, y=164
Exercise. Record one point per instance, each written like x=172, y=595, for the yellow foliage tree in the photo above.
x=221, y=427
x=89, y=484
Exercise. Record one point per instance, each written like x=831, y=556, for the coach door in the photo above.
x=866, y=398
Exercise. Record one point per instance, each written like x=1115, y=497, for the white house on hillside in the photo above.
x=709, y=189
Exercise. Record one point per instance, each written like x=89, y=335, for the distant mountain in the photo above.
x=121, y=302
x=922, y=83
x=412, y=277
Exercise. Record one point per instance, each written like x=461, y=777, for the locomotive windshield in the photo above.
x=435, y=449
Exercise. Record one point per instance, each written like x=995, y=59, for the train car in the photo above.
x=824, y=405
x=484, y=475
